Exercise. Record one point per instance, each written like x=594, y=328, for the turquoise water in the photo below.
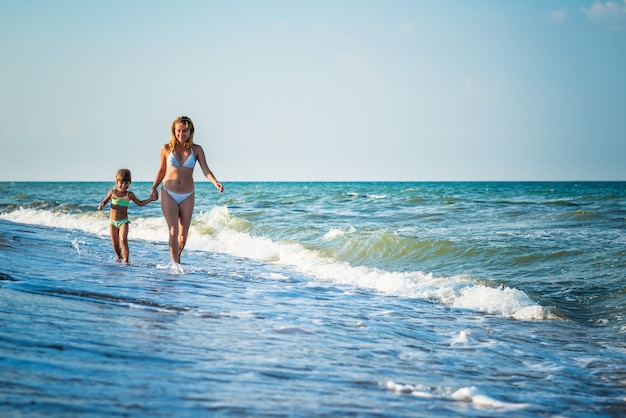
x=308, y=299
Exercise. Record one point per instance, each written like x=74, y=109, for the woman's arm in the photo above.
x=205, y=168
x=154, y=195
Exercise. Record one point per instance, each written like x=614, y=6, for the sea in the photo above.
x=318, y=299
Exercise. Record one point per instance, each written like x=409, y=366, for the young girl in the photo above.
x=120, y=198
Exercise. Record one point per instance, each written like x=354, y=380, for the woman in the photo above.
x=178, y=159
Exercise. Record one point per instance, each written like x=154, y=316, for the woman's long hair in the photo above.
x=188, y=124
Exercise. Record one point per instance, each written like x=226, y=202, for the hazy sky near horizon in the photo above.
x=316, y=90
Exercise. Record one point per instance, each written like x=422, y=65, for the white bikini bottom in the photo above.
x=178, y=197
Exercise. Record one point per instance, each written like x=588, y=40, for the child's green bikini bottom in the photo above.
x=119, y=223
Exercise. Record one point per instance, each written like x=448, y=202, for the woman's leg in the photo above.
x=170, y=211
x=184, y=219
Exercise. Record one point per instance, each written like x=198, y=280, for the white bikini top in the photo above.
x=189, y=163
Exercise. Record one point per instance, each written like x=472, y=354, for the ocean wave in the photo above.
x=218, y=230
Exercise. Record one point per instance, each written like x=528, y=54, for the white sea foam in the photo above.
x=461, y=338
x=334, y=233
x=171, y=267
x=149, y=229
x=474, y=396
x=465, y=394
x=367, y=195
x=220, y=231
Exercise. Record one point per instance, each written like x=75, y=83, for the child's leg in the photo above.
x=115, y=240
x=123, y=237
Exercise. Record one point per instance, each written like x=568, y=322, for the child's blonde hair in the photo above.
x=123, y=174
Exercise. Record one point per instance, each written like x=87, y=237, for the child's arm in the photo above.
x=138, y=202
x=105, y=200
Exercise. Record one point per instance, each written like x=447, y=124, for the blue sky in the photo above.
x=316, y=90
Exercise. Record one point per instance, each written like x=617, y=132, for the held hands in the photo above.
x=220, y=187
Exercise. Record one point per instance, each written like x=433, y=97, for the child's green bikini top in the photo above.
x=120, y=201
